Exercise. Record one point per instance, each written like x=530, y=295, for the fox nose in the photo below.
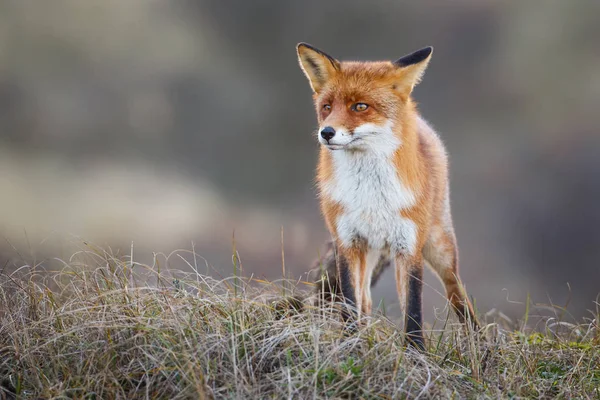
x=327, y=133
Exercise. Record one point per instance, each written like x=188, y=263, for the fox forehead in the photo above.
x=370, y=70
x=361, y=81
x=360, y=76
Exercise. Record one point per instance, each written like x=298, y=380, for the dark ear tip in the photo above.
x=414, y=58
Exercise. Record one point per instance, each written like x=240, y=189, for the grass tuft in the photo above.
x=105, y=327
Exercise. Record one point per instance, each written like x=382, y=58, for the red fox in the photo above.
x=383, y=181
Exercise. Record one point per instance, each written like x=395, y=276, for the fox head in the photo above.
x=359, y=103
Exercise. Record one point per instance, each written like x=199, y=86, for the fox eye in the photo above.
x=360, y=107
x=326, y=107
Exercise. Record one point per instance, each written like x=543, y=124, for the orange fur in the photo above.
x=420, y=163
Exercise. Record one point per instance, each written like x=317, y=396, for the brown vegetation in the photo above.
x=104, y=327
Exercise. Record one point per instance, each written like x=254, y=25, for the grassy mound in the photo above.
x=99, y=328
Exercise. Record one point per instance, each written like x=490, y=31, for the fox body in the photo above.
x=383, y=180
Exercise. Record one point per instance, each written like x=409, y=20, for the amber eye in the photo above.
x=360, y=107
x=326, y=107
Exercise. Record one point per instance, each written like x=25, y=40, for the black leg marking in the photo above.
x=345, y=282
x=328, y=287
x=337, y=284
x=414, y=308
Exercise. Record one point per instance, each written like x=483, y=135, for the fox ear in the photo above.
x=411, y=68
x=317, y=66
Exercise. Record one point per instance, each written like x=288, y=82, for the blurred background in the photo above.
x=167, y=123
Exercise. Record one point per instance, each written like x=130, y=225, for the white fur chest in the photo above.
x=367, y=185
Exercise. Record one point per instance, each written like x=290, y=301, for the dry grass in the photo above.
x=99, y=328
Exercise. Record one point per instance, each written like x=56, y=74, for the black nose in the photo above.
x=327, y=133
